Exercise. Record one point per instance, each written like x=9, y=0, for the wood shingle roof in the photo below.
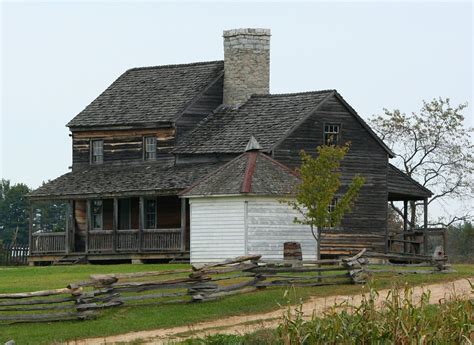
x=111, y=180
x=149, y=95
x=252, y=173
x=267, y=117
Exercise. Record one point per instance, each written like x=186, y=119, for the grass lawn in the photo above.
x=126, y=319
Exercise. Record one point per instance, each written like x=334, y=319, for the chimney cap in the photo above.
x=253, y=145
x=247, y=31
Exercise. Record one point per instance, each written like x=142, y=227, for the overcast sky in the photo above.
x=57, y=57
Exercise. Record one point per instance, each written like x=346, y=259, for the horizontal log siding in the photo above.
x=270, y=225
x=366, y=157
x=217, y=229
x=122, y=146
x=198, y=110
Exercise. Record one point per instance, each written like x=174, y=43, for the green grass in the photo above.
x=127, y=319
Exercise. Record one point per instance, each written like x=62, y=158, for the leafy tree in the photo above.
x=13, y=212
x=435, y=148
x=461, y=242
x=321, y=180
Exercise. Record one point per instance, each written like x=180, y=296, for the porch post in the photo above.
x=115, y=225
x=73, y=226
x=88, y=223
x=141, y=222
x=183, y=224
x=425, y=226
x=30, y=229
x=405, y=225
x=67, y=230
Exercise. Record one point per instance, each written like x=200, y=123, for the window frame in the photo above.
x=339, y=133
x=101, y=214
x=155, y=220
x=92, y=162
x=145, y=145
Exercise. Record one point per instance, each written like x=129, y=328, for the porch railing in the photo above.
x=132, y=241
x=48, y=242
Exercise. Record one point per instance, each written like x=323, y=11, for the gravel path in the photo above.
x=248, y=323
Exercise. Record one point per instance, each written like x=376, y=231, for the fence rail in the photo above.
x=13, y=254
x=201, y=283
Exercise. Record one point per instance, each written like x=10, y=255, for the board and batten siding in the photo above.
x=226, y=227
x=217, y=229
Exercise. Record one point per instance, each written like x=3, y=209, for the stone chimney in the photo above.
x=246, y=64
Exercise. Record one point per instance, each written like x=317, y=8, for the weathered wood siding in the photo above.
x=124, y=146
x=366, y=157
x=217, y=229
x=200, y=108
x=270, y=224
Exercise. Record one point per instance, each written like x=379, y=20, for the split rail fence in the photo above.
x=84, y=300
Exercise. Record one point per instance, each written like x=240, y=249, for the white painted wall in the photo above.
x=217, y=229
x=226, y=227
x=270, y=224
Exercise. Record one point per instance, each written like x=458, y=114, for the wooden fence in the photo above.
x=13, y=254
x=83, y=300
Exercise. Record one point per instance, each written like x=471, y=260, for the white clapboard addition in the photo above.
x=217, y=229
x=270, y=224
x=226, y=227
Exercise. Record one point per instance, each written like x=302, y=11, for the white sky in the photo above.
x=57, y=57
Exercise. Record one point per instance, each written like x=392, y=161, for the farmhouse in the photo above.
x=161, y=167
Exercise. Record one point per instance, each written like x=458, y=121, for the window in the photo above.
x=332, y=205
x=331, y=208
x=331, y=134
x=150, y=214
x=97, y=152
x=150, y=148
x=97, y=214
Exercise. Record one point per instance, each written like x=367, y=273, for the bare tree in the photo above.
x=435, y=148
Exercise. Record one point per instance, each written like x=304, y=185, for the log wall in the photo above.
x=122, y=146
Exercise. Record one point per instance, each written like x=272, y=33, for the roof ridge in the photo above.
x=292, y=93
x=280, y=165
x=175, y=65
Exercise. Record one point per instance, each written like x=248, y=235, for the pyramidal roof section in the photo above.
x=251, y=173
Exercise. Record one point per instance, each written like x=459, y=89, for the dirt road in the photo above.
x=249, y=323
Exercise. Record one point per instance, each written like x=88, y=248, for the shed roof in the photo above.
x=149, y=95
x=403, y=187
x=110, y=180
x=252, y=173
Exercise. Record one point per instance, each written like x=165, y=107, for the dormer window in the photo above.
x=331, y=134
x=97, y=151
x=149, y=148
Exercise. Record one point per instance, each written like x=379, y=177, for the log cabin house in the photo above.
x=156, y=131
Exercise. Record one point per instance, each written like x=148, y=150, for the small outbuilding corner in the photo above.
x=238, y=210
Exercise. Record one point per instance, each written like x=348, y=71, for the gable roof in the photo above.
x=267, y=117
x=401, y=186
x=270, y=118
x=149, y=95
x=251, y=173
x=110, y=180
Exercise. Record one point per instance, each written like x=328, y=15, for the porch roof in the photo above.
x=403, y=187
x=119, y=180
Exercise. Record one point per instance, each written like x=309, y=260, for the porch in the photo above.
x=128, y=228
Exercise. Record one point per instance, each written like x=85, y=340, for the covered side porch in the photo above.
x=116, y=212
x=413, y=238
x=120, y=228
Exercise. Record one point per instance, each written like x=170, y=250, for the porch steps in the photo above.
x=67, y=260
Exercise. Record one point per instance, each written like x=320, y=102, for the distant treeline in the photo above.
x=14, y=213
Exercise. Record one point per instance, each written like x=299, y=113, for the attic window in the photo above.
x=331, y=133
x=97, y=151
x=149, y=148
